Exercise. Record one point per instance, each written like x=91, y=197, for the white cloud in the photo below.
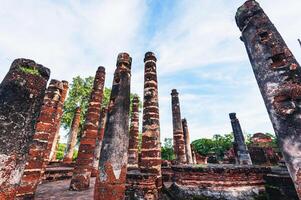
x=200, y=37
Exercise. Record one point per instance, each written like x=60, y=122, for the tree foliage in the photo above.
x=79, y=95
x=218, y=145
x=167, y=151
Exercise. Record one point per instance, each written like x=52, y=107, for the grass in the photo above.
x=32, y=71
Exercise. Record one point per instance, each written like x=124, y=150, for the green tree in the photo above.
x=167, y=151
x=79, y=95
x=218, y=145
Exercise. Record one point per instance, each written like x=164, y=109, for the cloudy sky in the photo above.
x=196, y=42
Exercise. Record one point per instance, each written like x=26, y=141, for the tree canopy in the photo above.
x=167, y=151
x=79, y=95
x=218, y=145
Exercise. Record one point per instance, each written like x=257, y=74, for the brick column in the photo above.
x=45, y=130
x=21, y=96
x=194, y=158
x=178, y=135
x=82, y=171
x=58, y=121
x=242, y=153
x=151, y=146
x=187, y=141
x=278, y=76
x=72, y=137
x=134, y=134
x=110, y=181
x=100, y=135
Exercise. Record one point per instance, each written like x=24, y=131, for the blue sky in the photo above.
x=196, y=42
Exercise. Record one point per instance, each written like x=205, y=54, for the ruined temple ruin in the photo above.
x=117, y=161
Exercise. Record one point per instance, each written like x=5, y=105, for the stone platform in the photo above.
x=227, y=182
x=58, y=190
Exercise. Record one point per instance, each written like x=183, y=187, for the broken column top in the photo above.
x=56, y=84
x=174, y=92
x=150, y=56
x=31, y=67
x=249, y=9
x=232, y=115
x=124, y=58
x=101, y=69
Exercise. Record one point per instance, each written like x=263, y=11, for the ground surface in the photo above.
x=58, y=190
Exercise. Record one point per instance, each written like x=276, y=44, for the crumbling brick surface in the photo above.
x=134, y=133
x=150, y=148
x=111, y=179
x=178, y=135
x=55, y=141
x=278, y=75
x=45, y=131
x=141, y=186
x=72, y=138
x=21, y=96
x=217, y=182
x=82, y=171
x=99, y=139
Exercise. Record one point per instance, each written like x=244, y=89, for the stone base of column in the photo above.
x=67, y=160
x=142, y=186
x=244, y=158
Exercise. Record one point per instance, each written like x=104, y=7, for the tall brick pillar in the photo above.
x=242, y=153
x=110, y=181
x=45, y=130
x=178, y=135
x=58, y=121
x=72, y=137
x=100, y=135
x=187, y=141
x=134, y=134
x=194, y=158
x=82, y=171
x=278, y=75
x=151, y=146
x=21, y=96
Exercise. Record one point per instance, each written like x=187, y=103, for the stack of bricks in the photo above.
x=178, y=135
x=21, y=96
x=45, y=130
x=147, y=183
x=99, y=139
x=72, y=138
x=134, y=134
x=57, y=122
x=82, y=171
x=111, y=179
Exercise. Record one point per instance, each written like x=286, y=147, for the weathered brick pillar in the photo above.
x=151, y=146
x=100, y=135
x=21, y=96
x=187, y=141
x=72, y=137
x=82, y=171
x=45, y=130
x=134, y=134
x=110, y=181
x=278, y=75
x=242, y=153
x=194, y=158
x=178, y=135
x=58, y=121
